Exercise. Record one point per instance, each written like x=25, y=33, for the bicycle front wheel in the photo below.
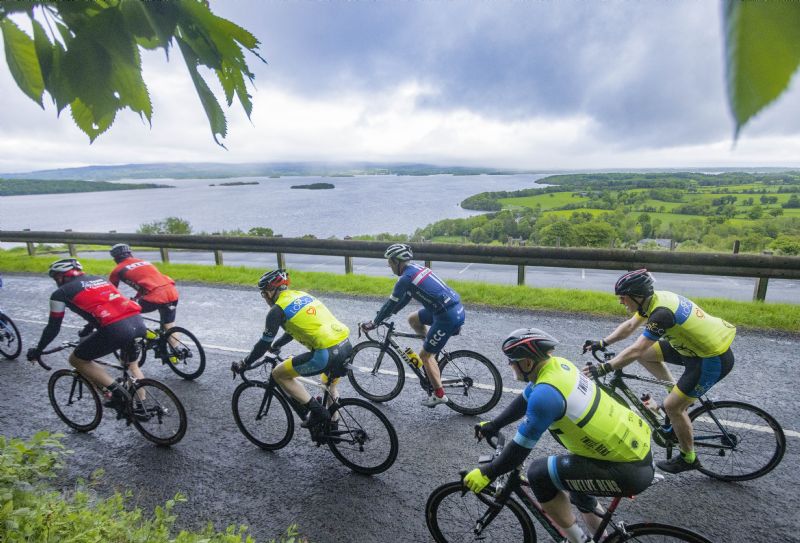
x=472, y=383
x=74, y=400
x=455, y=514
x=736, y=441
x=361, y=436
x=262, y=416
x=157, y=412
x=10, y=340
x=183, y=353
x=375, y=373
x=656, y=533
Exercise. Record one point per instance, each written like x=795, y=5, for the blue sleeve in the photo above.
x=396, y=301
x=545, y=406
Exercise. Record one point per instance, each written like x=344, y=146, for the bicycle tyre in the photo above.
x=647, y=532
x=11, y=344
x=470, y=507
x=248, y=415
x=743, y=422
x=355, y=429
x=482, y=380
x=192, y=347
x=80, y=396
x=159, y=416
x=371, y=379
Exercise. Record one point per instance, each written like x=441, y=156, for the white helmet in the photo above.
x=399, y=251
x=65, y=267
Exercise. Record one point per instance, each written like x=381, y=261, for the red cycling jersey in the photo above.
x=150, y=284
x=94, y=299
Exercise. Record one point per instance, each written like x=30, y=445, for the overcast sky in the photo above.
x=514, y=84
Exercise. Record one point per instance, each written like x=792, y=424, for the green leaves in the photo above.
x=93, y=63
x=762, y=51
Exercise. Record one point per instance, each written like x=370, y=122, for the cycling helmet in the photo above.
x=120, y=250
x=66, y=267
x=399, y=251
x=636, y=283
x=529, y=343
x=274, y=279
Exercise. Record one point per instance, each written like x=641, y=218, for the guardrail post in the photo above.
x=736, y=247
x=29, y=244
x=218, y=257
x=281, y=261
x=164, y=254
x=71, y=246
x=521, y=274
x=760, y=291
x=427, y=263
x=348, y=265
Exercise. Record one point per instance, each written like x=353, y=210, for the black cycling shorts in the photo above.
x=166, y=312
x=583, y=475
x=331, y=359
x=117, y=335
x=700, y=373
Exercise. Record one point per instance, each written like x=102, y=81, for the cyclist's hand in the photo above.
x=594, y=345
x=485, y=429
x=595, y=371
x=86, y=330
x=33, y=354
x=476, y=481
x=237, y=367
x=367, y=326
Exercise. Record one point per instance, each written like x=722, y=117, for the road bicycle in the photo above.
x=359, y=435
x=176, y=347
x=152, y=407
x=472, y=383
x=735, y=441
x=455, y=514
x=10, y=340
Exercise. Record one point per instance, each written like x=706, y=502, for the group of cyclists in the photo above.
x=608, y=445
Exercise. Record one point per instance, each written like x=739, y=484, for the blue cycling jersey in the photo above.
x=421, y=284
x=545, y=406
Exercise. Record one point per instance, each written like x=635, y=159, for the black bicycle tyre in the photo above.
x=358, y=379
x=394, y=446
x=780, y=440
x=81, y=381
x=438, y=496
x=635, y=532
x=181, y=412
x=498, y=382
x=11, y=354
x=188, y=375
x=237, y=416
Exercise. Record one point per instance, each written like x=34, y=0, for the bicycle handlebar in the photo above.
x=239, y=368
x=64, y=345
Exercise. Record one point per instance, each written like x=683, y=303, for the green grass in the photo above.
x=546, y=200
x=756, y=315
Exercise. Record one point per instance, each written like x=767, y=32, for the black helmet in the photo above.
x=120, y=250
x=635, y=283
x=529, y=343
x=399, y=251
x=66, y=267
x=274, y=279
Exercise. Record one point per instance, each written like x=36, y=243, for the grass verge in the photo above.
x=765, y=316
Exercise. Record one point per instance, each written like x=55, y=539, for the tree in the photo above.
x=170, y=225
x=89, y=56
x=792, y=203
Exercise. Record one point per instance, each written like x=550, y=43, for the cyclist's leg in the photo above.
x=93, y=346
x=166, y=314
x=338, y=355
x=306, y=364
x=420, y=320
x=653, y=360
x=442, y=326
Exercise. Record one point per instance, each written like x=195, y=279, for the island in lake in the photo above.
x=314, y=186
x=20, y=187
x=234, y=183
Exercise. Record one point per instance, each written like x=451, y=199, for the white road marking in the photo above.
x=468, y=266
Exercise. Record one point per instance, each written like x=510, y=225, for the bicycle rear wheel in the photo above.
x=656, y=533
x=453, y=514
x=157, y=412
x=472, y=383
x=10, y=340
x=262, y=416
x=74, y=400
x=183, y=353
x=361, y=437
x=736, y=441
x=376, y=374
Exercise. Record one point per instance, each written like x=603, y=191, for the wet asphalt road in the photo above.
x=228, y=480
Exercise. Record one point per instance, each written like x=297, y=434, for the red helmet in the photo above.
x=274, y=279
x=529, y=343
x=635, y=283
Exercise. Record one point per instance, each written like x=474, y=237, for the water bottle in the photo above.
x=651, y=404
x=412, y=357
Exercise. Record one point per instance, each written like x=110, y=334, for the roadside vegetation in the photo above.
x=758, y=315
x=33, y=509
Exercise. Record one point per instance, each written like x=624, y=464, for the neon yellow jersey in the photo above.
x=594, y=425
x=309, y=321
x=695, y=333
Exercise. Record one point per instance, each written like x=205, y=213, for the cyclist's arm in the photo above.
x=275, y=317
x=625, y=329
x=545, y=406
x=57, y=309
x=114, y=277
x=661, y=320
x=398, y=300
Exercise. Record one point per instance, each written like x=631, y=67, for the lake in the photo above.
x=358, y=205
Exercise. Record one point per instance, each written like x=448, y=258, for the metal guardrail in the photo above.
x=762, y=267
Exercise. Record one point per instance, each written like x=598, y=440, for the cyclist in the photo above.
x=441, y=311
x=306, y=319
x=116, y=318
x=155, y=291
x=678, y=331
x=609, y=445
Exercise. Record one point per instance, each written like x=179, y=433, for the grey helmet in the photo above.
x=120, y=250
x=399, y=251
